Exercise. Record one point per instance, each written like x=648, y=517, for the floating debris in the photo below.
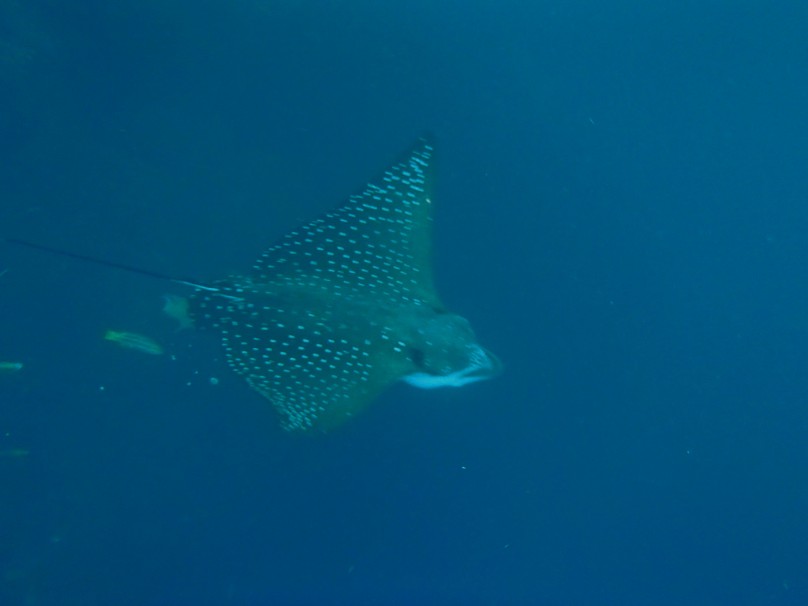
x=7, y=368
x=131, y=340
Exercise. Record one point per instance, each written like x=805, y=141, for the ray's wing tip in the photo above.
x=425, y=144
x=420, y=155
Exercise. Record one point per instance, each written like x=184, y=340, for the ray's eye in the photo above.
x=417, y=357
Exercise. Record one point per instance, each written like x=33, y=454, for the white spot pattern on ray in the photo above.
x=309, y=332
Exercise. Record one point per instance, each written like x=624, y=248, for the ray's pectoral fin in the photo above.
x=317, y=377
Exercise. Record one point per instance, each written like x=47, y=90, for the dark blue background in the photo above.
x=621, y=211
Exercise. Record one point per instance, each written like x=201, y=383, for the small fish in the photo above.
x=10, y=367
x=131, y=340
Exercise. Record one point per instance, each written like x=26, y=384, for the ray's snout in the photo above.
x=479, y=364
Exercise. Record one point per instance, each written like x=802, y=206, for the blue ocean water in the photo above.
x=621, y=209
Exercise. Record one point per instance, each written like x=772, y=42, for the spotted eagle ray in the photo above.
x=342, y=307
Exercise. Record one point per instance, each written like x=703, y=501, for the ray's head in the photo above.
x=446, y=353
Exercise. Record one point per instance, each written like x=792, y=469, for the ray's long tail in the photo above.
x=120, y=266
